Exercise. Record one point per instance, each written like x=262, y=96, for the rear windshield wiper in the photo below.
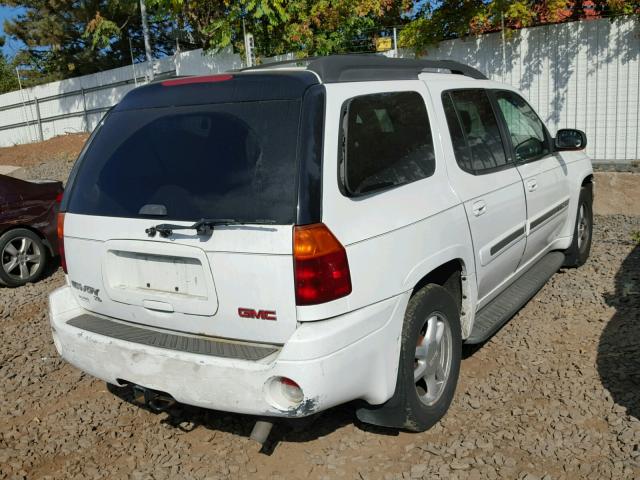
x=202, y=227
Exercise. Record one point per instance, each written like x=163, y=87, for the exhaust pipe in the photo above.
x=261, y=431
x=156, y=401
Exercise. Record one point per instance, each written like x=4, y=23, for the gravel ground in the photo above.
x=555, y=394
x=57, y=169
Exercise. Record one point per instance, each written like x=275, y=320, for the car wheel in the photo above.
x=578, y=253
x=23, y=257
x=429, y=364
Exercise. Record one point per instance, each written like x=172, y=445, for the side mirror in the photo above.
x=570, y=139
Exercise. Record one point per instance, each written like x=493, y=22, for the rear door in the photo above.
x=490, y=187
x=178, y=164
x=237, y=283
x=545, y=174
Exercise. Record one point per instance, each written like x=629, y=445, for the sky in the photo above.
x=11, y=46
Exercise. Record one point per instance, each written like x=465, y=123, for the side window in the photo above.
x=385, y=142
x=460, y=146
x=528, y=135
x=474, y=130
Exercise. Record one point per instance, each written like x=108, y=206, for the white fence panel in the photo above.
x=583, y=75
x=197, y=62
x=78, y=104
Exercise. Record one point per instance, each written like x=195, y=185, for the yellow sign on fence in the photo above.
x=383, y=44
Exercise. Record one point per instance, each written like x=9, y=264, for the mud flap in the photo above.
x=390, y=414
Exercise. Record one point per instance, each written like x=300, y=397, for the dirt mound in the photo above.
x=66, y=147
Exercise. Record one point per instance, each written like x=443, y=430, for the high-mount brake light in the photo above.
x=321, y=266
x=63, y=260
x=201, y=79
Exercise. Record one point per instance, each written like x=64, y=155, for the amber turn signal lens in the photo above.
x=321, y=265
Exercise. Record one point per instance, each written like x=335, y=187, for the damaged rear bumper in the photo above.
x=353, y=356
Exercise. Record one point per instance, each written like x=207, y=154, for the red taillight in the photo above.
x=321, y=266
x=200, y=79
x=59, y=198
x=63, y=260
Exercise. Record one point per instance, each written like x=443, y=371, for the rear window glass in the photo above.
x=231, y=161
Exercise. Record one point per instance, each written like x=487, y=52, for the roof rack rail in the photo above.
x=370, y=67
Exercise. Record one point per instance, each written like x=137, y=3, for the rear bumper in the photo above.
x=353, y=356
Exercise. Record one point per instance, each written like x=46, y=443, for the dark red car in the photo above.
x=28, y=228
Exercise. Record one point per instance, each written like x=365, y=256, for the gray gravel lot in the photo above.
x=56, y=169
x=555, y=394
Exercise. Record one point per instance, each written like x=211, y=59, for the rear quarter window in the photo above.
x=385, y=142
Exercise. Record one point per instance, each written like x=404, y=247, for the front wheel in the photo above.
x=429, y=363
x=578, y=253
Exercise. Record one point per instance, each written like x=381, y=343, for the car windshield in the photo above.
x=231, y=160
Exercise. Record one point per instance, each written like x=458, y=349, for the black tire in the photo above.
x=406, y=409
x=15, y=275
x=578, y=253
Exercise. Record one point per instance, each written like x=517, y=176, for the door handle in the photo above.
x=532, y=185
x=479, y=208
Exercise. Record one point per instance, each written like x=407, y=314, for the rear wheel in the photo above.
x=578, y=253
x=22, y=257
x=429, y=363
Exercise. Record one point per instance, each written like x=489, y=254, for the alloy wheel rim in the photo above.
x=432, y=364
x=21, y=258
x=583, y=227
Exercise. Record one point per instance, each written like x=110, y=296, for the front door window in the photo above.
x=527, y=133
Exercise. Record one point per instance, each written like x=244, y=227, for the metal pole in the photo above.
x=176, y=55
x=84, y=111
x=147, y=42
x=24, y=105
x=504, y=52
x=38, y=118
x=19, y=81
x=395, y=43
x=247, y=56
x=133, y=64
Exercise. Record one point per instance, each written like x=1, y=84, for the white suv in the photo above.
x=281, y=240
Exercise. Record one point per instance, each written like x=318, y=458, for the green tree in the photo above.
x=67, y=38
x=8, y=79
x=339, y=26
x=436, y=21
x=306, y=27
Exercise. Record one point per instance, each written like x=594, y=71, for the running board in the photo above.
x=497, y=312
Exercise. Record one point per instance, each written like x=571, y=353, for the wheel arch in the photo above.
x=455, y=277
x=585, y=179
x=588, y=182
x=580, y=175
